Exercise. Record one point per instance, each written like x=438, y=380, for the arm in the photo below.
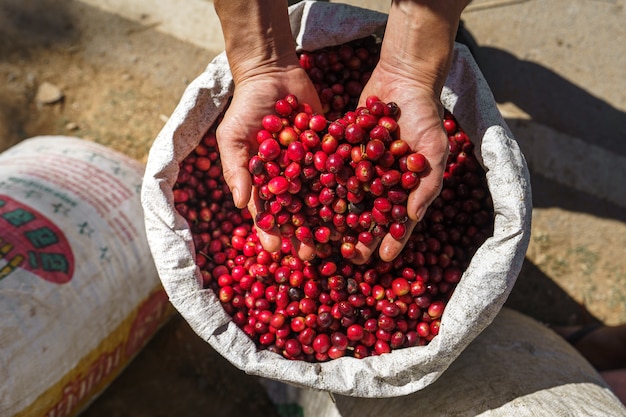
x=419, y=39
x=257, y=36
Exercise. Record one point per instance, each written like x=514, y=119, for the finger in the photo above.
x=365, y=252
x=238, y=180
x=234, y=155
x=270, y=240
x=305, y=250
x=424, y=194
x=390, y=248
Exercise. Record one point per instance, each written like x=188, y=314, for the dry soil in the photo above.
x=117, y=81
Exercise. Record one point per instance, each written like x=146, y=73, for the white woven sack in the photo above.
x=79, y=293
x=483, y=288
x=516, y=367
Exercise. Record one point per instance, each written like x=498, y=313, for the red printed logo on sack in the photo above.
x=30, y=241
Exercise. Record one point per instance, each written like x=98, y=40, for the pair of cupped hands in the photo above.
x=420, y=124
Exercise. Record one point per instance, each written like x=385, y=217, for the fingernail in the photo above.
x=236, y=196
x=420, y=213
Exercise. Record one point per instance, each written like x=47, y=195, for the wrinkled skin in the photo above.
x=254, y=98
x=420, y=125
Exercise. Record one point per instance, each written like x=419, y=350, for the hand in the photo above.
x=421, y=126
x=254, y=97
x=415, y=58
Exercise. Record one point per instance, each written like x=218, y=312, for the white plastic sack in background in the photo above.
x=516, y=367
x=79, y=292
x=483, y=287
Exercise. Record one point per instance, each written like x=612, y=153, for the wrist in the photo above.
x=419, y=39
x=257, y=36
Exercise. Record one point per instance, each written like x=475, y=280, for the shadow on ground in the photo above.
x=553, y=101
x=539, y=297
x=43, y=22
x=179, y=374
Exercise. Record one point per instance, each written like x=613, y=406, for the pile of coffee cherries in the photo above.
x=334, y=182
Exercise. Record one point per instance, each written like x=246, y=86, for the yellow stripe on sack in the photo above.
x=97, y=369
x=11, y=266
x=4, y=249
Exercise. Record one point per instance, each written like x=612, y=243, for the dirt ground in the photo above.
x=118, y=81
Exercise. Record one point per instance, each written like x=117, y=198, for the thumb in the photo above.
x=424, y=194
x=234, y=156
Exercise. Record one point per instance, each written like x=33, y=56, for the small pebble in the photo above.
x=71, y=126
x=48, y=93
